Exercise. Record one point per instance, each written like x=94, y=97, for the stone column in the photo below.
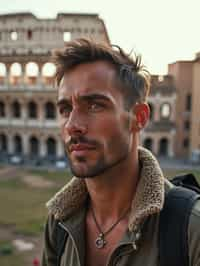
x=42, y=151
x=25, y=142
x=60, y=149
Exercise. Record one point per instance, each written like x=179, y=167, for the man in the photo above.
x=110, y=209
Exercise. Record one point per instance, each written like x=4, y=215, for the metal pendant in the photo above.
x=100, y=241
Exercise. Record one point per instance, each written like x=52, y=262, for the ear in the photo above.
x=141, y=114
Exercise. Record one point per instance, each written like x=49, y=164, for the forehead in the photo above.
x=97, y=77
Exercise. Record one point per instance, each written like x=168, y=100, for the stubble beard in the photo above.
x=97, y=169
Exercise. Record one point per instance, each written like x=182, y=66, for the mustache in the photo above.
x=81, y=140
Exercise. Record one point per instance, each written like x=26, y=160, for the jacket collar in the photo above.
x=148, y=200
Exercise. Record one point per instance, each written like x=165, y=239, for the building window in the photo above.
x=66, y=36
x=50, y=110
x=32, y=110
x=16, y=69
x=34, y=146
x=2, y=70
x=160, y=78
x=17, y=145
x=51, y=147
x=3, y=143
x=188, y=102
x=29, y=34
x=186, y=143
x=13, y=35
x=148, y=144
x=16, y=110
x=2, y=109
x=187, y=125
x=165, y=110
x=163, y=147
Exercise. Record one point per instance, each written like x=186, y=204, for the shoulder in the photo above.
x=194, y=234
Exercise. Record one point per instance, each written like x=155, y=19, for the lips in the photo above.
x=80, y=148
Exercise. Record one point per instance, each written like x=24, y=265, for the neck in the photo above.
x=111, y=194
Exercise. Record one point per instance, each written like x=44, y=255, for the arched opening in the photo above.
x=48, y=73
x=3, y=143
x=32, y=110
x=51, y=147
x=34, y=146
x=2, y=73
x=32, y=71
x=29, y=35
x=148, y=144
x=15, y=73
x=16, y=109
x=2, y=109
x=165, y=111
x=50, y=110
x=163, y=147
x=18, y=145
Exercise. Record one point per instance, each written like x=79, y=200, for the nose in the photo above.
x=76, y=124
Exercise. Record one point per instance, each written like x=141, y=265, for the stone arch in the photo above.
x=48, y=73
x=18, y=148
x=16, y=109
x=50, y=110
x=163, y=146
x=3, y=143
x=51, y=146
x=148, y=144
x=33, y=146
x=15, y=73
x=32, y=110
x=2, y=109
x=32, y=72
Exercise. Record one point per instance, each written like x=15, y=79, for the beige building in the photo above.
x=186, y=76
x=159, y=135
x=28, y=116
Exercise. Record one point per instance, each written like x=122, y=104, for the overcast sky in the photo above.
x=163, y=31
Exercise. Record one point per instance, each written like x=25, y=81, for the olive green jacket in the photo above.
x=139, y=245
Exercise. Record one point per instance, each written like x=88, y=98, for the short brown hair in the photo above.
x=132, y=77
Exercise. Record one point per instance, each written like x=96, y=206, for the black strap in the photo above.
x=174, y=219
x=61, y=238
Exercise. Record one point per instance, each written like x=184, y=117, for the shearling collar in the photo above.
x=149, y=197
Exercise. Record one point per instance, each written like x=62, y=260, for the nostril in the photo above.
x=74, y=129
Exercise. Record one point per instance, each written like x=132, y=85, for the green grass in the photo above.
x=171, y=173
x=23, y=206
x=52, y=175
x=13, y=260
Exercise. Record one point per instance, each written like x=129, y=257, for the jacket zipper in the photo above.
x=70, y=235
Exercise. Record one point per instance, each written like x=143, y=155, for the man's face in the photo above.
x=94, y=122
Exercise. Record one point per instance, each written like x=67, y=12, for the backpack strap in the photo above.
x=173, y=227
x=61, y=238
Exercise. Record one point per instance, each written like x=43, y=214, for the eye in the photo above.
x=96, y=106
x=65, y=111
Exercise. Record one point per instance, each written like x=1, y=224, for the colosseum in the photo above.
x=28, y=115
x=29, y=129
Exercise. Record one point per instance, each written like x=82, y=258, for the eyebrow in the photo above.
x=89, y=97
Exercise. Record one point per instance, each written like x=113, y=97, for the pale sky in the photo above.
x=162, y=31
